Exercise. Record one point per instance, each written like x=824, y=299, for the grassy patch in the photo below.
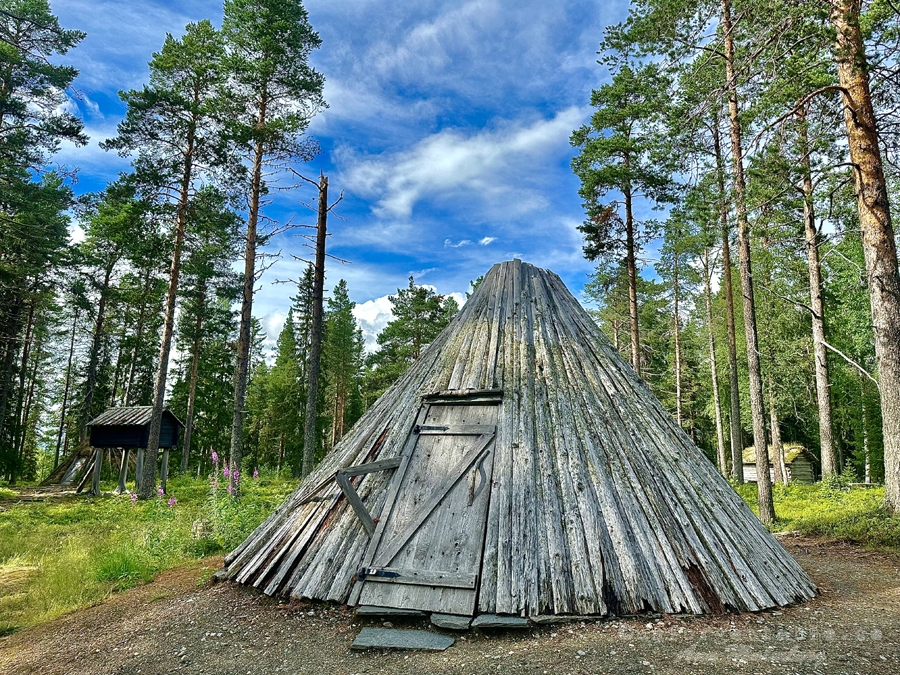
x=62, y=554
x=853, y=514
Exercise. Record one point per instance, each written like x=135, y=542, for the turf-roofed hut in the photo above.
x=520, y=467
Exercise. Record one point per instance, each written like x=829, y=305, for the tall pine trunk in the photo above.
x=94, y=356
x=817, y=304
x=195, y=368
x=734, y=392
x=879, y=245
x=65, y=401
x=147, y=486
x=631, y=264
x=714, y=368
x=242, y=369
x=315, y=333
x=779, y=468
x=677, y=336
x=757, y=410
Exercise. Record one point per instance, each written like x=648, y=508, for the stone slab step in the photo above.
x=393, y=638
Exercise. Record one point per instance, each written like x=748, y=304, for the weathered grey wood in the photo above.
x=380, y=465
x=457, y=430
x=421, y=577
x=139, y=469
x=589, y=501
x=123, y=472
x=357, y=503
x=164, y=470
x=386, y=555
x=98, y=465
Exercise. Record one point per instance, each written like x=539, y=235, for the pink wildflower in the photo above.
x=134, y=497
x=172, y=502
x=160, y=492
x=255, y=473
x=230, y=489
x=215, y=457
x=236, y=475
x=225, y=472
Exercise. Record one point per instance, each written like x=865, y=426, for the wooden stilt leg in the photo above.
x=139, y=469
x=123, y=472
x=98, y=464
x=164, y=470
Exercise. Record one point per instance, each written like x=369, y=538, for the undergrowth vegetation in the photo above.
x=835, y=510
x=61, y=554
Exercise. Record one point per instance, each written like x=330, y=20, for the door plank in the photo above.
x=394, y=545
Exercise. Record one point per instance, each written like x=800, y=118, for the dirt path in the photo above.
x=173, y=625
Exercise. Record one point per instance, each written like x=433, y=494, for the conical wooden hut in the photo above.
x=520, y=467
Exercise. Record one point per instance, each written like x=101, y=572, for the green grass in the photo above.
x=62, y=554
x=854, y=514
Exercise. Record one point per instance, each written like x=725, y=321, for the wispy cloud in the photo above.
x=484, y=241
x=454, y=163
x=448, y=243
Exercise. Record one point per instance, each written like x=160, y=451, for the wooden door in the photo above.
x=426, y=551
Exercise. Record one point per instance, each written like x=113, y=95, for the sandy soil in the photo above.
x=175, y=625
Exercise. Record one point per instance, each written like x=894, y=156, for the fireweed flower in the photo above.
x=134, y=497
x=230, y=489
x=160, y=492
x=172, y=502
x=225, y=472
x=236, y=475
x=255, y=473
x=215, y=457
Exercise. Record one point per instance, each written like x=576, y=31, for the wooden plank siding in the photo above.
x=598, y=502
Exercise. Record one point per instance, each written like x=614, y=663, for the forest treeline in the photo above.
x=768, y=310
x=737, y=174
x=152, y=284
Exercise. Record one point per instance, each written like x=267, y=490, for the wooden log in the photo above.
x=123, y=472
x=98, y=465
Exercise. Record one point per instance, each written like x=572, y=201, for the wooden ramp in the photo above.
x=520, y=467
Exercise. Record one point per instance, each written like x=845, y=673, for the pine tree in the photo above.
x=275, y=93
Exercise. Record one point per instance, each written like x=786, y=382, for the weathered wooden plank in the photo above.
x=355, y=502
x=386, y=575
x=456, y=430
x=370, y=467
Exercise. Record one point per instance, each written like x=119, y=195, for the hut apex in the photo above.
x=520, y=467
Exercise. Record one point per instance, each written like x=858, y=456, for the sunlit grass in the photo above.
x=853, y=514
x=62, y=554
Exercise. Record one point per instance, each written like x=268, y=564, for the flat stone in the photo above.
x=498, y=621
x=451, y=621
x=393, y=638
x=549, y=619
x=372, y=610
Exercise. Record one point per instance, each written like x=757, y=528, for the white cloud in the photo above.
x=487, y=240
x=448, y=243
x=372, y=316
x=452, y=163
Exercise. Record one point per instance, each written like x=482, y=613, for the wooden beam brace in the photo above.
x=456, y=430
x=342, y=478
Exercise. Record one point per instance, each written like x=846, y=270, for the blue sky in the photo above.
x=447, y=130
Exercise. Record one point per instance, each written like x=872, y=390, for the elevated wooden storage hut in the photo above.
x=520, y=467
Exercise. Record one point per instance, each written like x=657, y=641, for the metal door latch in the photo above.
x=375, y=572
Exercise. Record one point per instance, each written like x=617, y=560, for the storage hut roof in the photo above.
x=136, y=415
x=791, y=452
x=520, y=467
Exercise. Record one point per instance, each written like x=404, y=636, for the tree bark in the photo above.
x=315, y=337
x=734, y=417
x=148, y=475
x=242, y=370
x=138, y=336
x=631, y=264
x=65, y=401
x=195, y=369
x=94, y=357
x=879, y=245
x=764, y=486
x=713, y=367
x=817, y=304
x=677, y=336
x=779, y=468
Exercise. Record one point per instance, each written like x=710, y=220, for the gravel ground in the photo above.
x=176, y=625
